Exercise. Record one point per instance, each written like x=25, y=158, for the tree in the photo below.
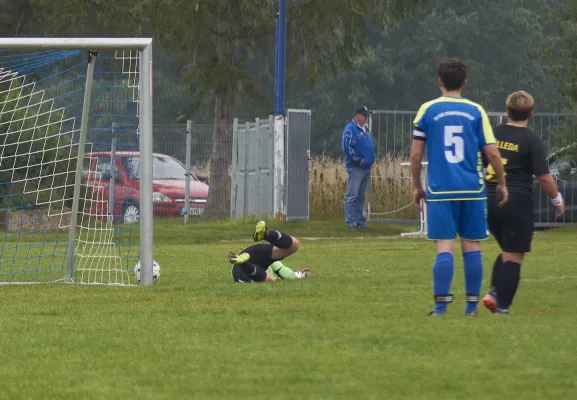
x=563, y=59
x=17, y=18
x=215, y=38
x=567, y=76
x=508, y=46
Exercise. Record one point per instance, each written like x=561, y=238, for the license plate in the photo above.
x=192, y=211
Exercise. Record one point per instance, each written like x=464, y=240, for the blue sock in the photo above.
x=442, y=277
x=473, y=264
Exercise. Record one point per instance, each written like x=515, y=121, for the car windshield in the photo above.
x=162, y=168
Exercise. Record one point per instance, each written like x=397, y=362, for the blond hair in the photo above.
x=520, y=105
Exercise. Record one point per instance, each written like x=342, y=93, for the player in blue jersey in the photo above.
x=455, y=132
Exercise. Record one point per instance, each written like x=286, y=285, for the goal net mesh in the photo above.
x=41, y=103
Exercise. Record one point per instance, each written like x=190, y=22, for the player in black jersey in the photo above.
x=262, y=262
x=524, y=157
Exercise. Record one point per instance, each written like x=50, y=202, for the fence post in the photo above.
x=246, y=147
x=187, y=177
x=112, y=185
x=271, y=161
x=279, y=167
x=367, y=209
x=234, y=168
x=258, y=156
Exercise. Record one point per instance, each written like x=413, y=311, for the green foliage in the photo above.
x=229, y=45
x=508, y=46
x=17, y=17
x=35, y=157
x=94, y=18
x=567, y=49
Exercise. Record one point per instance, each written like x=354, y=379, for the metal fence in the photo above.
x=233, y=177
x=297, y=158
x=252, y=169
x=185, y=174
x=390, y=189
x=314, y=186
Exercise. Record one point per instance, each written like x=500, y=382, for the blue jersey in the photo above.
x=455, y=131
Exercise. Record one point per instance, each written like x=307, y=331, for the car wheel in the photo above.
x=131, y=213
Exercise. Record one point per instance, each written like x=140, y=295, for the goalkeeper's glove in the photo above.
x=239, y=258
x=303, y=273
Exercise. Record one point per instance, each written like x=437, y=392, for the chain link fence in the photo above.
x=390, y=195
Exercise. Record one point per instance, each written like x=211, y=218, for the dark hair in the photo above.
x=519, y=106
x=452, y=73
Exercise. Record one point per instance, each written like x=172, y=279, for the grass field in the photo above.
x=355, y=330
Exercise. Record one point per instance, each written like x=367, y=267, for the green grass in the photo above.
x=355, y=330
x=165, y=231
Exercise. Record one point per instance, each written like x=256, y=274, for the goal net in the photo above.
x=71, y=124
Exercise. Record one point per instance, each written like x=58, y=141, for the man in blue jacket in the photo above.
x=359, y=151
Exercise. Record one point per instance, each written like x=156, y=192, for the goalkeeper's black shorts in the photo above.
x=512, y=225
x=260, y=256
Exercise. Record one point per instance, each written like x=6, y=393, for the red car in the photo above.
x=168, y=186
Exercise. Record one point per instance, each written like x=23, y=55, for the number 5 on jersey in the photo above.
x=490, y=176
x=457, y=152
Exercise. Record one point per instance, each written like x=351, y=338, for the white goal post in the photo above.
x=422, y=214
x=56, y=105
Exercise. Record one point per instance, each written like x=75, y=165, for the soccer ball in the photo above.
x=155, y=271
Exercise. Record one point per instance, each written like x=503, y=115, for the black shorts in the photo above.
x=239, y=276
x=512, y=225
x=260, y=256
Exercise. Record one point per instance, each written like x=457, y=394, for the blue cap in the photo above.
x=362, y=110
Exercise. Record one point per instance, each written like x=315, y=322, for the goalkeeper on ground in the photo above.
x=262, y=262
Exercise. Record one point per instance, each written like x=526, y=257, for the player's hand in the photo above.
x=303, y=273
x=559, y=210
x=418, y=197
x=239, y=258
x=502, y=195
x=362, y=162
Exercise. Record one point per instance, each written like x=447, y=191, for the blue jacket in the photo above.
x=357, y=145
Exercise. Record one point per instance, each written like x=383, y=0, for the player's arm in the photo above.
x=489, y=146
x=540, y=168
x=417, y=153
x=418, y=145
x=491, y=152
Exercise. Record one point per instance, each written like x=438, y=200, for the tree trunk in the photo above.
x=218, y=204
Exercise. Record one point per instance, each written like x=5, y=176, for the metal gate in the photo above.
x=252, y=169
x=297, y=156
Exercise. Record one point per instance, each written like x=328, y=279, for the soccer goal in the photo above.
x=71, y=110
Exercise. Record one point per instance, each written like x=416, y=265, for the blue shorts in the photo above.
x=467, y=218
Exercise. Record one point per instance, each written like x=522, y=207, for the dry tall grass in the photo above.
x=390, y=191
x=389, y=194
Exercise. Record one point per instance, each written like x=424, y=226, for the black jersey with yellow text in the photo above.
x=524, y=157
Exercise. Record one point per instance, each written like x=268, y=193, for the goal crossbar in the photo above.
x=75, y=43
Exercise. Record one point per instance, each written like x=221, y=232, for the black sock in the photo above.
x=278, y=239
x=254, y=272
x=507, y=283
x=496, y=266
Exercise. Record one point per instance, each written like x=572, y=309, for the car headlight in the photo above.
x=159, y=197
